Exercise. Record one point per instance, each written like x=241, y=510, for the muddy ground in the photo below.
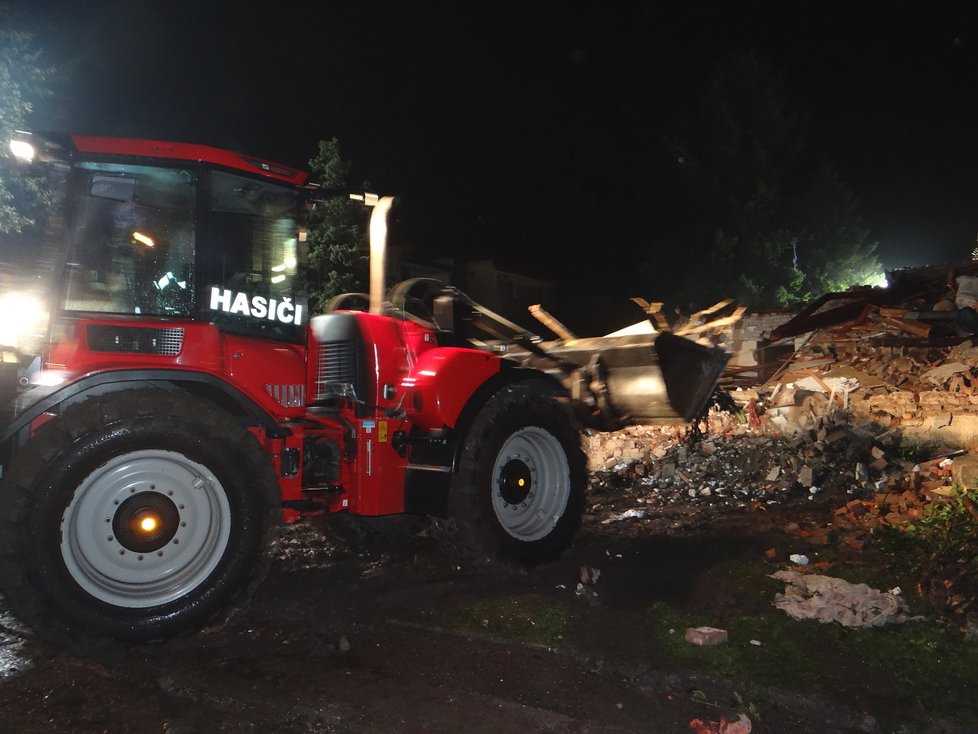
x=388, y=636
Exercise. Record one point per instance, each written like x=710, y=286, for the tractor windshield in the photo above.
x=131, y=249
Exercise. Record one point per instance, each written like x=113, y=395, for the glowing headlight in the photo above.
x=21, y=315
x=50, y=378
x=22, y=150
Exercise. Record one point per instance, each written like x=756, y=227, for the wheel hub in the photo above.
x=146, y=522
x=515, y=481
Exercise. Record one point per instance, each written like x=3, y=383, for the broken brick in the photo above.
x=704, y=636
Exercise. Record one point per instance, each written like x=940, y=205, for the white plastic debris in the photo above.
x=828, y=599
x=633, y=514
x=799, y=559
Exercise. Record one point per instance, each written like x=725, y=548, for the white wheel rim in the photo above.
x=112, y=572
x=539, y=455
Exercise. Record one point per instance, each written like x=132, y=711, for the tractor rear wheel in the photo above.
x=519, y=492
x=135, y=515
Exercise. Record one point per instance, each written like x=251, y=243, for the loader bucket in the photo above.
x=613, y=381
x=634, y=379
x=690, y=372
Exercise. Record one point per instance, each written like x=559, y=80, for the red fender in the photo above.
x=442, y=382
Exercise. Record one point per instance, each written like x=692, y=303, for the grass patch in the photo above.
x=909, y=670
x=521, y=619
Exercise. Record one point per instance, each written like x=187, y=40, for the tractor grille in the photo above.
x=135, y=340
x=337, y=367
x=289, y=396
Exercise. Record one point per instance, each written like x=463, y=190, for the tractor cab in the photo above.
x=157, y=255
x=145, y=229
x=185, y=242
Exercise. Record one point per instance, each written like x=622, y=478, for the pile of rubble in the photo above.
x=929, y=393
x=903, y=497
x=849, y=412
x=732, y=464
x=905, y=358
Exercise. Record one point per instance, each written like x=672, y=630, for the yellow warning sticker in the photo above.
x=382, y=432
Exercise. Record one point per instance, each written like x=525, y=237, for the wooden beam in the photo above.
x=541, y=315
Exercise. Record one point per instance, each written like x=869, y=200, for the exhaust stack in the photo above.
x=378, y=252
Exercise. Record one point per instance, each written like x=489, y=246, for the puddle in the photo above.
x=12, y=643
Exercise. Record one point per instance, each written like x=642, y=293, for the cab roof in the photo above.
x=98, y=145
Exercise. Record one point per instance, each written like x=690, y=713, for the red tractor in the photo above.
x=185, y=401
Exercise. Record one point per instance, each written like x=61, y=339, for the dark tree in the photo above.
x=763, y=218
x=337, y=244
x=834, y=250
x=23, y=82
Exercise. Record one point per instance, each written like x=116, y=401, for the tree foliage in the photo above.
x=23, y=81
x=337, y=245
x=770, y=221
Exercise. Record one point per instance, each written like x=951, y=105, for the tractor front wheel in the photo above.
x=134, y=515
x=519, y=492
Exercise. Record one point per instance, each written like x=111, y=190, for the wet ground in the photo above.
x=389, y=636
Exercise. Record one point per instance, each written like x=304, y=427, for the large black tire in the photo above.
x=76, y=559
x=519, y=491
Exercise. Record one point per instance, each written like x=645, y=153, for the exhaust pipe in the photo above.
x=378, y=252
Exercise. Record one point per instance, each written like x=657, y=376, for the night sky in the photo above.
x=531, y=132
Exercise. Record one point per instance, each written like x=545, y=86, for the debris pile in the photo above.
x=639, y=469
x=872, y=372
x=902, y=499
x=904, y=357
x=929, y=394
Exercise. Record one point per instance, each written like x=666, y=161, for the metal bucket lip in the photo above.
x=690, y=371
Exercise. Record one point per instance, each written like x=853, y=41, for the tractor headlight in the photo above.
x=50, y=378
x=22, y=150
x=22, y=317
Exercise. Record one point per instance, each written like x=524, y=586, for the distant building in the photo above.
x=508, y=294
